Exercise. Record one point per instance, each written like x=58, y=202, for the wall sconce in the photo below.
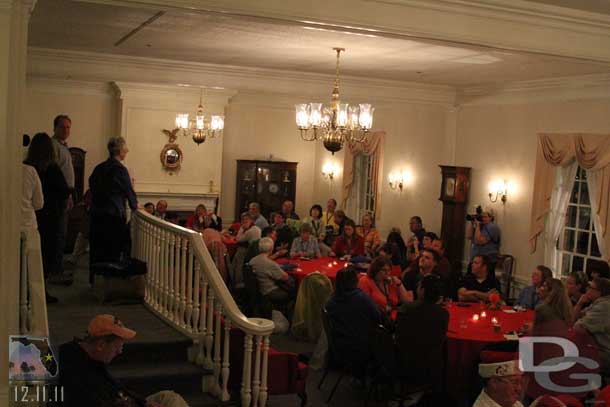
x=330, y=170
x=498, y=189
x=397, y=180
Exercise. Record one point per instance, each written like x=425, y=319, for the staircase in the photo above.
x=146, y=368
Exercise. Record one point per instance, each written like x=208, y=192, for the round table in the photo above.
x=329, y=266
x=467, y=336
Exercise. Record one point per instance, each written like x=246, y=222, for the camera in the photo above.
x=476, y=216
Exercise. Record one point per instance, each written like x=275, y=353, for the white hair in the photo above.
x=265, y=245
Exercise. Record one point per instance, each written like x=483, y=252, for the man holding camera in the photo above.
x=485, y=235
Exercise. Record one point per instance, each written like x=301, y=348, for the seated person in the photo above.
x=149, y=207
x=477, y=285
x=503, y=381
x=288, y=210
x=386, y=291
x=248, y=231
x=318, y=227
x=528, y=297
x=213, y=241
x=201, y=219
x=285, y=234
x=340, y=220
x=349, y=243
x=305, y=245
x=259, y=220
x=352, y=314
x=595, y=320
x=269, y=274
x=254, y=251
x=428, y=261
x=161, y=209
x=84, y=374
x=576, y=284
x=425, y=366
x=554, y=303
x=370, y=234
x=399, y=249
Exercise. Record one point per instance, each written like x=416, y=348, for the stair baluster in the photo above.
x=225, y=396
x=264, y=395
x=183, y=265
x=190, y=325
x=256, y=382
x=246, y=396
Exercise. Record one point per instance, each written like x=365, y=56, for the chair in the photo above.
x=386, y=369
x=504, y=273
x=255, y=305
x=331, y=361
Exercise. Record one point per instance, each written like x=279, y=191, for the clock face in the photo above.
x=450, y=187
x=273, y=188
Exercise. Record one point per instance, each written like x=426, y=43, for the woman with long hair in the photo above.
x=576, y=284
x=201, y=220
x=41, y=156
x=349, y=243
x=399, y=252
x=555, y=303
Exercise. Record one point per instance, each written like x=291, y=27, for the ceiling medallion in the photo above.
x=200, y=128
x=337, y=123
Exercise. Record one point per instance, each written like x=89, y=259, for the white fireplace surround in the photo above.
x=180, y=201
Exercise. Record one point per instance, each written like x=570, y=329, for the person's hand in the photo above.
x=281, y=252
x=584, y=299
x=475, y=223
x=332, y=254
x=70, y=203
x=395, y=280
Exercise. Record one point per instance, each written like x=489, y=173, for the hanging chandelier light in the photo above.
x=336, y=123
x=200, y=128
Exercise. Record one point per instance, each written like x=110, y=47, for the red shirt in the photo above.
x=379, y=297
x=354, y=247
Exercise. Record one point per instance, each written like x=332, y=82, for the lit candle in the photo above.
x=330, y=264
x=335, y=262
x=494, y=320
x=483, y=314
x=475, y=317
x=345, y=265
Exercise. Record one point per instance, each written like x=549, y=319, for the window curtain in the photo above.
x=373, y=146
x=591, y=152
x=564, y=183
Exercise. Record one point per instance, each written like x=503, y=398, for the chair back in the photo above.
x=504, y=272
x=255, y=304
x=383, y=348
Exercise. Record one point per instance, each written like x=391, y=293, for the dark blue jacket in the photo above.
x=110, y=186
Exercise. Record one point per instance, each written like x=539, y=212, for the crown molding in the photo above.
x=87, y=66
x=534, y=27
x=125, y=90
x=71, y=87
x=596, y=86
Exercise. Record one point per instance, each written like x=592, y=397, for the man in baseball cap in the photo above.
x=503, y=380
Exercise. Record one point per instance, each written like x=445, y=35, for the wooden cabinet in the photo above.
x=267, y=182
x=455, y=187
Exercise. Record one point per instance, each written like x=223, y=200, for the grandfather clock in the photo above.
x=454, y=195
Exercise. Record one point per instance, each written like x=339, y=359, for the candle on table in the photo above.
x=483, y=314
x=494, y=320
x=335, y=262
x=330, y=264
x=475, y=317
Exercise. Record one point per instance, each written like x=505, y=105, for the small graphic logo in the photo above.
x=31, y=359
x=570, y=358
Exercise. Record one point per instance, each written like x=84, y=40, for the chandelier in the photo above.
x=336, y=123
x=200, y=128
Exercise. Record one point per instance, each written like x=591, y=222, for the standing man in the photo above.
x=61, y=132
x=111, y=187
x=416, y=241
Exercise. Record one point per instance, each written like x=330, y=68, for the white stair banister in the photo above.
x=185, y=288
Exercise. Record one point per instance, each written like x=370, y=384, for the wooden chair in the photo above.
x=255, y=305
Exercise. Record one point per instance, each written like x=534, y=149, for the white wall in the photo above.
x=499, y=142
x=93, y=111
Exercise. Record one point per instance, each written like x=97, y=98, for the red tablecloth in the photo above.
x=329, y=266
x=467, y=337
x=230, y=243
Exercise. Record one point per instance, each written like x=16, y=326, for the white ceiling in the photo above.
x=249, y=42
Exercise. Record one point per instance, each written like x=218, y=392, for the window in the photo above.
x=577, y=243
x=362, y=197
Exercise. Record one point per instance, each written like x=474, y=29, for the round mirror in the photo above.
x=172, y=156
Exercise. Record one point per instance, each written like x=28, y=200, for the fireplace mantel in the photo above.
x=181, y=201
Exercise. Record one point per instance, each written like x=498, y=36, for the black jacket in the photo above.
x=110, y=186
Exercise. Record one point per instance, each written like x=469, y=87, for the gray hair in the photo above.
x=114, y=145
x=265, y=245
x=247, y=215
x=306, y=227
x=256, y=205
